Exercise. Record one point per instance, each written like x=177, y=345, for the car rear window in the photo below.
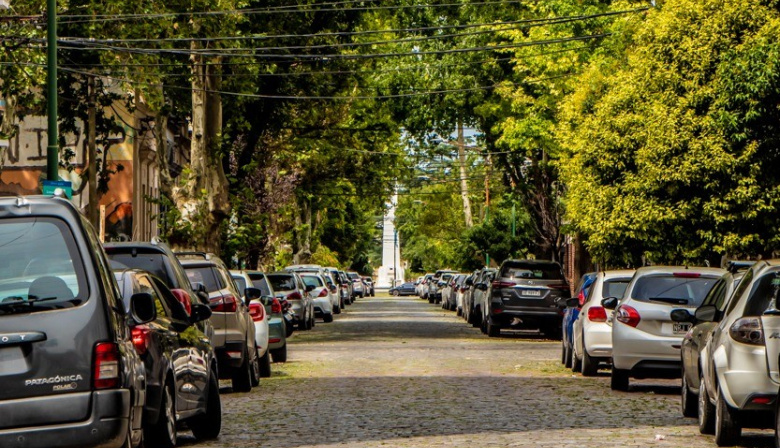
x=763, y=296
x=280, y=282
x=240, y=282
x=615, y=287
x=668, y=287
x=311, y=280
x=39, y=261
x=540, y=271
x=205, y=275
x=153, y=262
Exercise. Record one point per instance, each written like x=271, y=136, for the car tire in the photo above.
x=576, y=363
x=207, y=426
x=327, y=318
x=476, y=317
x=565, y=355
x=242, y=377
x=689, y=405
x=706, y=410
x=337, y=309
x=458, y=312
x=619, y=380
x=279, y=354
x=396, y=293
x=590, y=365
x=265, y=365
x=493, y=330
x=163, y=433
x=727, y=430
x=431, y=299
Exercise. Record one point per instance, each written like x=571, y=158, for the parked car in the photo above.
x=422, y=287
x=234, y=329
x=70, y=374
x=449, y=292
x=275, y=308
x=318, y=289
x=358, y=288
x=404, y=289
x=592, y=331
x=258, y=303
x=182, y=383
x=342, y=292
x=369, y=282
x=463, y=290
x=348, y=286
x=471, y=306
x=570, y=314
x=645, y=340
x=694, y=342
x=479, y=298
x=290, y=286
x=437, y=282
x=739, y=363
x=526, y=294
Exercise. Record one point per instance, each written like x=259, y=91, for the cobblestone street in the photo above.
x=399, y=372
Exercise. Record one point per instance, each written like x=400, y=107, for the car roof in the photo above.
x=650, y=270
x=614, y=273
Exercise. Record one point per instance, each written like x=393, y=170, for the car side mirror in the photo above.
x=252, y=294
x=199, y=313
x=201, y=292
x=706, y=313
x=142, y=308
x=332, y=287
x=610, y=303
x=481, y=286
x=310, y=288
x=681, y=315
x=572, y=302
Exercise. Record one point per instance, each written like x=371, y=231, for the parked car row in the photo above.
x=520, y=294
x=716, y=329
x=123, y=344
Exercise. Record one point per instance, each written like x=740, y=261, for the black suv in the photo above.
x=70, y=375
x=526, y=294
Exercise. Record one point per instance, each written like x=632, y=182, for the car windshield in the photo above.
x=689, y=289
x=40, y=268
x=540, y=271
x=281, y=282
x=204, y=275
x=615, y=287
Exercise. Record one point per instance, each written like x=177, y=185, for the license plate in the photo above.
x=531, y=292
x=679, y=328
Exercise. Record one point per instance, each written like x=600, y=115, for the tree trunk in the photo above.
x=93, y=212
x=464, y=184
x=303, y=226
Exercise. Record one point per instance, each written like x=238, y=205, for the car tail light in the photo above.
x=747, y=330
x=687, y=274
x=183, y=298
x=106, y=366
x=226, y=304
x=274, y=340
x=581, y=298
x=141, y=338
x=628, y=316
x=294, y=296
x=597, y=314
x=323, y=293
x=257, y=311
x=497, y=310
x=276, y=306
x=499, y=284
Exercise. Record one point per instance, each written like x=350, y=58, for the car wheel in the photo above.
x=242, y=377
x=565, y=355
x=493, y=330
x=163, y=433
x=459, y=312
x=431, y=299
x=279, y=354
x=255, y=370
x=337, y=309
x=727, y=430
x=590, y=366
x=265, y=365
x=396, y=293
x=689, y=405
x=706, y=410
x=576, y=363
x=208, y=425
x=327, y=318
x=619, y=380
x=476, y=317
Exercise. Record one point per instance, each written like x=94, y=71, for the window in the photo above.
x=743, y=285
x=39, y=260
x=204, y=275
x=240, y=282
x=763, y=296
x=668, y=286
x=540, y=271
x=282, y=282
x=145, y=285
x=615, y=287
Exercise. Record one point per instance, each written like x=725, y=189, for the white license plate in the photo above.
x=680, y=328
x=531, y=292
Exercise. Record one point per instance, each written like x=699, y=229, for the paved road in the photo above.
x=398, y=372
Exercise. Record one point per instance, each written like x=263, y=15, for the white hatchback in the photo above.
x=645, y=341
x=592, y=331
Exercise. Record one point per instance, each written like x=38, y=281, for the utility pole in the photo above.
x=464, y=184
x=395, y=256
x=487, y=200
x=52, y=150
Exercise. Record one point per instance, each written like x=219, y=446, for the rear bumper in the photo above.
x=106, y=427
x=529, y=317
x=276, y=331
x=598, y=340
x=634, y=349
x=230, y=357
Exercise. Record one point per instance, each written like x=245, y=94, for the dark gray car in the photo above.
x=70, y=375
